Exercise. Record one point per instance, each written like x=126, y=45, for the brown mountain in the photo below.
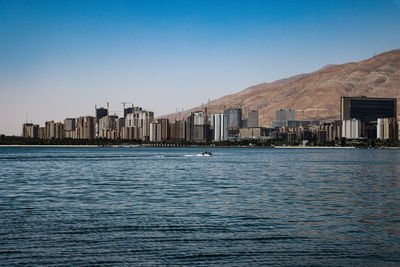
x=315, y=95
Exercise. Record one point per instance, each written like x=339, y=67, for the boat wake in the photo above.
x=196, y=155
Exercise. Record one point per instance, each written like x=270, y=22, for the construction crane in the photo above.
x=124, y=103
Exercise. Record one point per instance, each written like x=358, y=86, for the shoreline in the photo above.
x=49, y=146
x=305, y=147
x=134, y=146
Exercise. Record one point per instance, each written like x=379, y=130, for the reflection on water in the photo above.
x=123, y=206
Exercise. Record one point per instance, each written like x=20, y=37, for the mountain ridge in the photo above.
x=315, y=95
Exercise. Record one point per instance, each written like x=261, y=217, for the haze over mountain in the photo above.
x=314, y=96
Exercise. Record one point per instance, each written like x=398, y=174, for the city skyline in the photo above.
x=61, y=58
x=361, y=118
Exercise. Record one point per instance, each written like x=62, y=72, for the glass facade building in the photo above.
x=367, y=109
x=100, y=113
x=234, y=116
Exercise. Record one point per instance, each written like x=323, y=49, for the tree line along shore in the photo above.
x=102, y=142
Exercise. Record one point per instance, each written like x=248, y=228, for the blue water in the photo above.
x=151, y=206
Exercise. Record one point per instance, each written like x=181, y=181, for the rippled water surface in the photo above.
x=128, y=206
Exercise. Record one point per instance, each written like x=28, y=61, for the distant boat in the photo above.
x=207, y=153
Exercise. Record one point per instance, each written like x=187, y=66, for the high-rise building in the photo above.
x=130, y=110
x=285, y=115
x=196, y=127
x=159, y=130
x=252, y=118
x=50, y=130
x=284, y=118
x=54, y=130
x=131, y=133
x=254, y=132
x=120, y=126
x=138, y=123
x=351, y=129
x=30, y=130
x=245, y=123
x=153, y=131
x=108, y=127
x=189, y=127
x=234, y=117
x=333, y=130
x=220, y=126
x=145, y=118
x=200, y=126
x=42, y=132
x=100, y=113
x=367, y=109
x=177, y=130
x=234, y=121
x=69, y=124
x=387, y=129
x=85, y=127
x=287, y=118
x=108, y=122
x=199, y=118
x=127, y=111
x=69, y=127
x=164, y=130
x=172, y=131
x=59, y=130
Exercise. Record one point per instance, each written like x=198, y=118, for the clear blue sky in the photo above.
x=60, y=58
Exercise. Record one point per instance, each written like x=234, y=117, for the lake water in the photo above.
x=241, y=206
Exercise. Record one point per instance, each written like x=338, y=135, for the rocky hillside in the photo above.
x=316, y=95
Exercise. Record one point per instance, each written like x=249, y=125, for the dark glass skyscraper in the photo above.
x=367, y=109
x=100, y=113
x=234, y=116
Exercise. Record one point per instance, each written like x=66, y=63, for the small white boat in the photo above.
x=206, y=153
